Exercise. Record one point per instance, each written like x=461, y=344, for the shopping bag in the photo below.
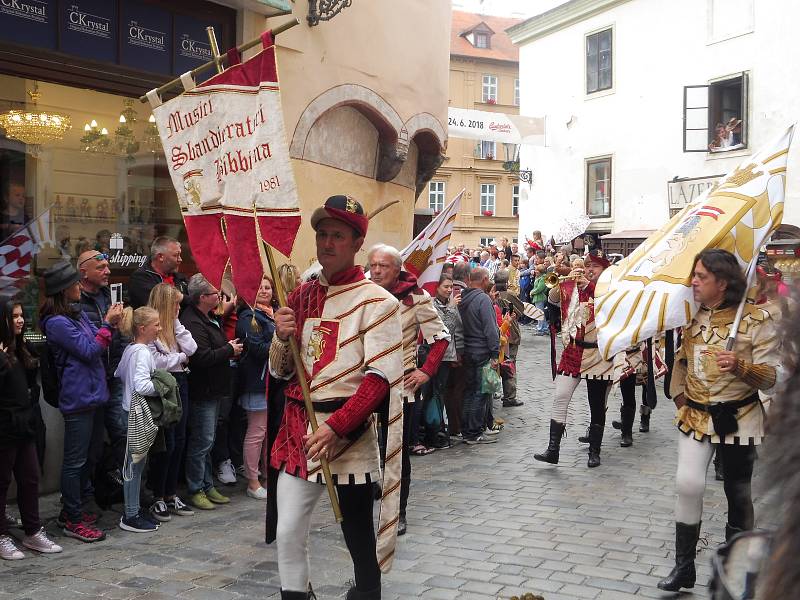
x=490, y=380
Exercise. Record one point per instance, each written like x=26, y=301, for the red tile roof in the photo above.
x=501, y=46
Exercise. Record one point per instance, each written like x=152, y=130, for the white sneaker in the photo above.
x=41, y=543
x=259, y=494
x=226, y=473
x=8, y=549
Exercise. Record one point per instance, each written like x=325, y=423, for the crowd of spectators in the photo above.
x=211, y=349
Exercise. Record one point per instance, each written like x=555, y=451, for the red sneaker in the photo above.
x=83, y=532
x=86, y=517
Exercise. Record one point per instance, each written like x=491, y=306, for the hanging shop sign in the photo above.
x=88, y=28
x=495, y=127
x=146, y=38
x=682, y=191
x=29, y=22
x=143, y=36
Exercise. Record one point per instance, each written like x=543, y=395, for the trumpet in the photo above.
x=552, y=279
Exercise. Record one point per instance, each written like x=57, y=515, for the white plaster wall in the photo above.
x=659, y=47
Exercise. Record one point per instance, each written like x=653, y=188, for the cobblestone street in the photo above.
x=484, y=522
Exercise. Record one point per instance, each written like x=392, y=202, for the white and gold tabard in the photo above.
x=358, y=332
x=697, y=375
x=419, y=315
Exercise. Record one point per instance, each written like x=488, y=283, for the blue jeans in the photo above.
x=541, y=324
x=165, y=466
x=202, y=430
x=75, y=476
x=475, y=403
x=433, y=406
x=116, y=421
x=131, y=478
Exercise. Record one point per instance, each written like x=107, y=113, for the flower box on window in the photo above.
x=491, y=101
x=488, y=213
x=489, y=157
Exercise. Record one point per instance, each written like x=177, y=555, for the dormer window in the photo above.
x=479, y=36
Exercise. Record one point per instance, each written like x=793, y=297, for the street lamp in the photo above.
x=511, y=163
x=325, y=10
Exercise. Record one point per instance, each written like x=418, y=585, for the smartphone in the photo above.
x=116, y=293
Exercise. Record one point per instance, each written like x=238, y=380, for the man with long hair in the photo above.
x=716, y=393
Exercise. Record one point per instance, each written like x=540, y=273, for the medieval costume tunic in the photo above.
x=722, y=413
x=581, y=358
x=420, y=322
x=349, y=332
x=697, y=376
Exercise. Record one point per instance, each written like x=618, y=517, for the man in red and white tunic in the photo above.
x=581, y=359
x=350, y=338
x=420, y=320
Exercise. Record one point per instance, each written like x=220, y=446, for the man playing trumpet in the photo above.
x=580, y=359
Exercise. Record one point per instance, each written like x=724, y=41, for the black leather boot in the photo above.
x=628, y=413
x=644, y=418
x=719, y=469
x=551, y=454
x=295, y=595
x=595, y=441
x=584, y=439
x=683, y=574
x=354, y=594
x=731, y=531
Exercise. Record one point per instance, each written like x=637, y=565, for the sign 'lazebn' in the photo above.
x=227, y=155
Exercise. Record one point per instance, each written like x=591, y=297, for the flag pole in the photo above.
x=217, y=61
x=268, y=263
x=751, y=273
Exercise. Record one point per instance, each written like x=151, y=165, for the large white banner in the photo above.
x=495, y=127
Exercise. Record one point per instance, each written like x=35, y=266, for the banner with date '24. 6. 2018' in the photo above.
x=495, y=127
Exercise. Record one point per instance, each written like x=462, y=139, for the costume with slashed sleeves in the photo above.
x=349, y=333
x=697, y=376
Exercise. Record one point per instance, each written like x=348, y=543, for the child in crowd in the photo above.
x=18, y=435
x=135, y=370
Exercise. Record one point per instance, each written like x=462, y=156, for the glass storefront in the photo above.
x=101, y=185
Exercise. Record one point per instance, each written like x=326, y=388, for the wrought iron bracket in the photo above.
x=525, y=175
x=325, y=10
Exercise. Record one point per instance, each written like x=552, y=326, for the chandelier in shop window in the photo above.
x=124, y=141
x=34, y=127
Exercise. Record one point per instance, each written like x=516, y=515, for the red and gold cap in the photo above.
x=345, y=209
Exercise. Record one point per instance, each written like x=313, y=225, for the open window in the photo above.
x=714, y=115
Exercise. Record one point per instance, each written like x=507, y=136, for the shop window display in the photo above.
x=103, y=184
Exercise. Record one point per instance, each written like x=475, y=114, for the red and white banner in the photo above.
x=226, y=150
x=427, y=253
x=18, y=250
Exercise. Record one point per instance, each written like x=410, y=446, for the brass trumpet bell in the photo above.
x=551, y=280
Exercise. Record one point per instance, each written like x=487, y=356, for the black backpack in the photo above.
x=50, y=375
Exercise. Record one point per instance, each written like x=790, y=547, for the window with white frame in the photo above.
x=598, y=187
x=436, y=195
x=516, y=92
x=487, y=150
x=515, y=201
x=485, y=241
x=487, y=198
x=715, y=115
x=490, y=88
x=598, y=61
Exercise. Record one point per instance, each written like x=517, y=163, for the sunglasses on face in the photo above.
x=99, y=256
